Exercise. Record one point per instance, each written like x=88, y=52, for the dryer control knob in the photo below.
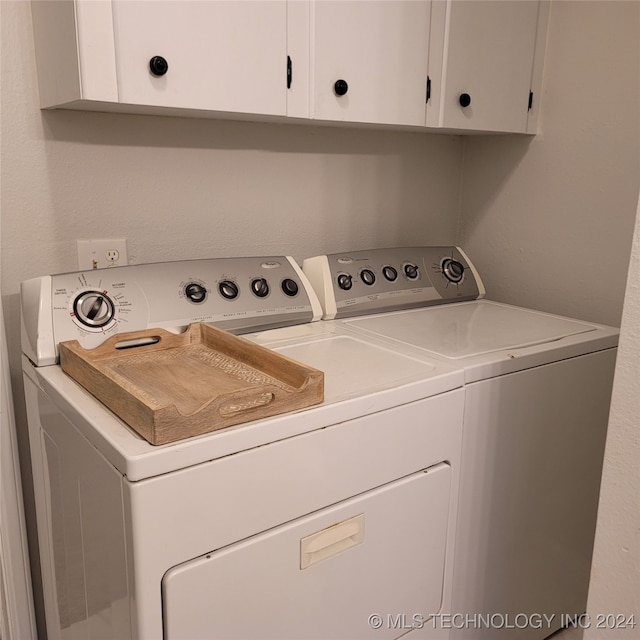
x=228, y=289
x=195, y=292
x=453, y=270
x=260, y=287
x=93, y=309
x=345, y=281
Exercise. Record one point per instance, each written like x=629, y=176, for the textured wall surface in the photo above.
x=615, y=574
x=549, y=220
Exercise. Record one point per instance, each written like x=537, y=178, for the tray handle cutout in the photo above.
x=332, y=540
x=134, y=343
x=245, y=402
x=124, y=343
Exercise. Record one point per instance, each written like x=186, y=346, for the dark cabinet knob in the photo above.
x=158, y=66
x=341, y=87
x=465, y=99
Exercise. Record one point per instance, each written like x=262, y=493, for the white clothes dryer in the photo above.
x=334, y=522
x=537, y=394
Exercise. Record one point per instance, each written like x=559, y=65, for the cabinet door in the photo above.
x=379, y=49
x=222, y=55
x=486, y=60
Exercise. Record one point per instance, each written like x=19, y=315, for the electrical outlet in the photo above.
x=99, y=254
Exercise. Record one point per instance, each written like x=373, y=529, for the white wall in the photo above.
x=549, y=220
x=615, y=574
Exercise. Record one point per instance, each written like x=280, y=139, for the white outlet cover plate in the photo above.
x=93, y=254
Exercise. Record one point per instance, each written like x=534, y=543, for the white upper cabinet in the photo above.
x=221, y=56
x=369, y=60
x=485, y=64
x=404, y=63
x=218, y=56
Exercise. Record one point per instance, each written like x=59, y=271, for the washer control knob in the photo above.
x=368, y=277
x=228, y=289
x=195, y=292
x=411, y=271
x=158, y=66
x=289, y=287
x=260, y=287
x=389, y=273
x=345, y=281
x=93, y=309
x=453, y=270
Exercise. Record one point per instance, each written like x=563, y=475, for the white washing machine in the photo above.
x=537, y=393
x=337, y=521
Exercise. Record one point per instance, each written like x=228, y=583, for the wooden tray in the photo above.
x=168, y=387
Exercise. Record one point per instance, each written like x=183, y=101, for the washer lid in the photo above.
x=470, y=329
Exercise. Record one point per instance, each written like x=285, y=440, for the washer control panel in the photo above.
x=236, y=294
x=376, y=280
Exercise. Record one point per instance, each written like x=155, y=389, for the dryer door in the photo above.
x=369, y=567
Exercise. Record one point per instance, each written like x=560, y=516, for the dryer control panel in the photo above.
x=377, y=280
x=236, y=294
